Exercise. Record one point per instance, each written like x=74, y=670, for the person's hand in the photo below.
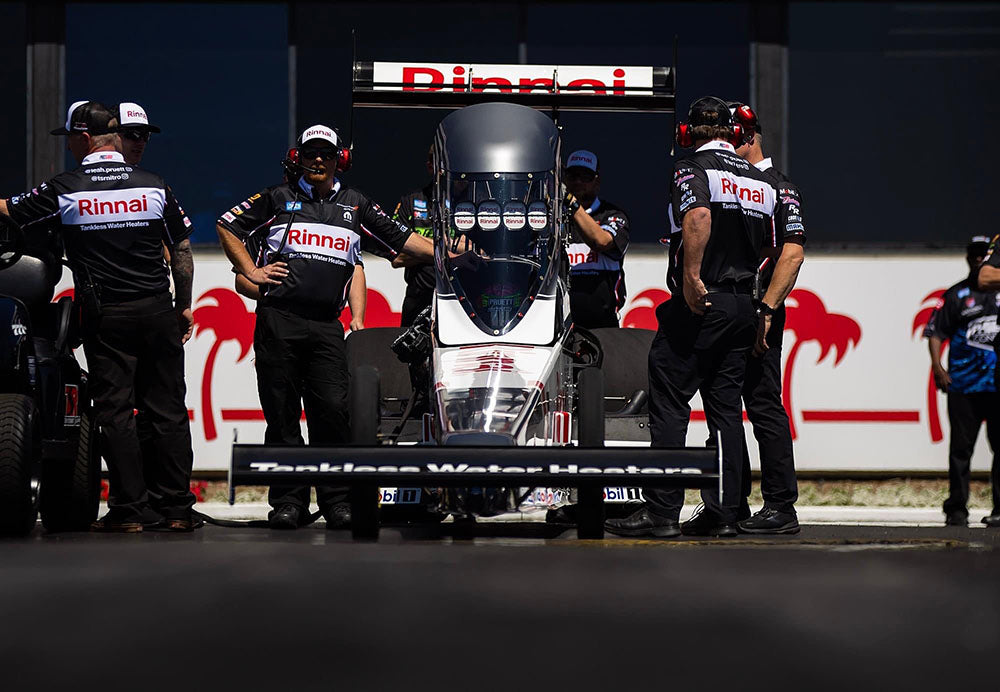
x=357, y=324
x=186, y=319
x=941, y=378
x=760, y=347
x=269, y=274
x=696, y=296
x=469, y=261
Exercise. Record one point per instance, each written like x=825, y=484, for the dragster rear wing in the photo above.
x=563, y=87
x=365, y=469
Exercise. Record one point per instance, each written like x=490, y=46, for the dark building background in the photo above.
x=888, y=105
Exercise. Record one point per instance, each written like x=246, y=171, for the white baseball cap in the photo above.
x=319, y=132
x=133, y=115
x=583, y=159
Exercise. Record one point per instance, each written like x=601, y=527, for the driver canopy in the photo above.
x=496, y=182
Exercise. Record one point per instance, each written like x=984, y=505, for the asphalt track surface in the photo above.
x=508, y=607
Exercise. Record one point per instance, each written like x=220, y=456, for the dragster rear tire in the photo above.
x=590, y=433
x=364, y=404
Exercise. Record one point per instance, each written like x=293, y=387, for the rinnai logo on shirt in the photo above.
x=582, y=258
x=318, y=238
x=747, y=192
x=131, y=204
x=477, y=78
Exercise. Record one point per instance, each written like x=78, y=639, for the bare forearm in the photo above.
x=404, y=260
x=246, y=287
x=3, y=207
x=934, y=345
x=596, y=237
x=419, y=247
x=695, y=232
x=357, y=297
x=989, y=278
x=785, y=274
x=235, y=251
x=182, y=268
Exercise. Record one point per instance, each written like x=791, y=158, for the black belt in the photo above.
x=322, y=312
x=738, y=288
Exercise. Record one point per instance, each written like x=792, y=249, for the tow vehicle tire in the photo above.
x=590, y=433
x=19, y=445
x=71, y=489
x=364, y=405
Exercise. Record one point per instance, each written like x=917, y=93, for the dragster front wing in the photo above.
x=365, y=469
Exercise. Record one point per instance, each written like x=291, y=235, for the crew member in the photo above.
x=599, y=238
x=135, y=131
x=114, y=218
x=721, y=213
x=966, y=317
x=412, y=211
x=778, y=271
x=311, y=230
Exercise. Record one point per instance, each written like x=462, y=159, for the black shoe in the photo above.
x=153, y=520
x=338, y=517
x=992, y=521
x=705, y=523
x=184, y=522
x=642, y=522
x=112, y=524
x=565, y=515
x=744, y=513
x=770, y=520
x=956, y=519
x=286, y=517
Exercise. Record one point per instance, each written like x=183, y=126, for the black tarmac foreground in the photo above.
x=503, y=607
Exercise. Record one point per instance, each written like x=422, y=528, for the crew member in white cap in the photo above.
x=135, y=130
x=307, y=234
x=597, y=246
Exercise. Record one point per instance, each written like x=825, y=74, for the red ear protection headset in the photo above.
x=685, y=137
x=343, y=156
x=745, y=116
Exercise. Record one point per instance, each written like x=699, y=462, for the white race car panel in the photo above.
x=492, y=365
x=454, y=328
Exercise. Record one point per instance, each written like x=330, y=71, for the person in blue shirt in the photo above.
x=966, y=317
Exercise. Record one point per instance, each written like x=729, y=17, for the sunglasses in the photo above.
x=326, y=154
x=581, y=175
x=136, y=135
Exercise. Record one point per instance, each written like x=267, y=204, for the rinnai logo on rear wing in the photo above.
x=571, y=87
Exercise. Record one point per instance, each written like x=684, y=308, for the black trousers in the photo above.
x=767, y=415
x=966, y=413
x=135, y=359
x=706, y=354
x=299, y=361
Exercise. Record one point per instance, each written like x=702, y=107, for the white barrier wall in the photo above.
x=856, y=370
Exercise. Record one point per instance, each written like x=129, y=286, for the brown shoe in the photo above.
x=107, y=524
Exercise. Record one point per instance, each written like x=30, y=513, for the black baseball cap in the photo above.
x=709, y=110
x=91, y=117
x=978, y=245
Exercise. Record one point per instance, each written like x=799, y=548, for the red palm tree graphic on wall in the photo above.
x=808, y=320
x=643, y=315
x=228, y=317
x=930, y=302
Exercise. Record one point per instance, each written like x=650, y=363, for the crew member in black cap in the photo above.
x=114, y=218
x=966, y=318
x=597, y=247
x=777, y=273
x=721, y=212
x=309, y=232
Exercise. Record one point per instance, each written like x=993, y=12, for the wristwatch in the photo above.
x=571, y=203
x=764, y=309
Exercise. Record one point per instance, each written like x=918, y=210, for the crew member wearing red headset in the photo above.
x=309, y=233
x=778, y=271
x=721, y=216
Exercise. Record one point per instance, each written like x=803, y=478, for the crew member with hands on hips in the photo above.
x=309, y=232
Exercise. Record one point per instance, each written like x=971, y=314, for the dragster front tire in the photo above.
x=364, y=402
x=590, y=433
